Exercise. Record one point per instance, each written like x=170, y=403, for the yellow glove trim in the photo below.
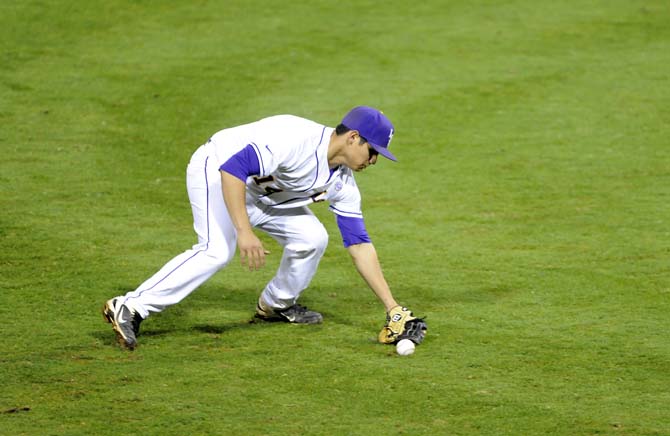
x=396, y=319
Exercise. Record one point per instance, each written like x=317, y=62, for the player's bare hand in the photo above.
x=252, y=253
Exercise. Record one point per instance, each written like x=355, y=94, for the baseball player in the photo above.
x=264, y=175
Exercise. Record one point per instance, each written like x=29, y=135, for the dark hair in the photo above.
x=342, y=129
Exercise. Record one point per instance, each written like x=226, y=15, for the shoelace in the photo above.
x=297, y=308
x=136, y=320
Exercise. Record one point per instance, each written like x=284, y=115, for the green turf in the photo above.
x=527, y=217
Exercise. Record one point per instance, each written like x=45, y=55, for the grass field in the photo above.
x=527, y=217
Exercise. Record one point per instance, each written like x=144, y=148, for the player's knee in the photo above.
x=314, y=243
x=219, y=255
x=320, y=240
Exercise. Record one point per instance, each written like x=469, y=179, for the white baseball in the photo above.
x=405, y=347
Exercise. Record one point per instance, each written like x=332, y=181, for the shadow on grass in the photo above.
x=225, y=328
x=107, y=336
x=490, y=294
x=182, y=318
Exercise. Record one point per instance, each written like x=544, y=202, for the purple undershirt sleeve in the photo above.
x=242, y=164
x=352, y=230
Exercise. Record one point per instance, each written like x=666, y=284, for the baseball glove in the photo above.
x=402, y=324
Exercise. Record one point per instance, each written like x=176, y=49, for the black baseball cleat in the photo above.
x=125, y=322
x=295, y=314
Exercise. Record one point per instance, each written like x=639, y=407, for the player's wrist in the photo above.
x=244, y=229
x=391, y=305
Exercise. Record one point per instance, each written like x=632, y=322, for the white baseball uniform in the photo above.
x=290, y=155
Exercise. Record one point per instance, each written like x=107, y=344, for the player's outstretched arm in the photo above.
x=400, y=322
x=367, y=263
x=251, y=248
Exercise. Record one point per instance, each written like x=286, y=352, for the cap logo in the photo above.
x=390, y=137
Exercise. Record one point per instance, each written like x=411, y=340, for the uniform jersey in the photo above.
x=292, y=155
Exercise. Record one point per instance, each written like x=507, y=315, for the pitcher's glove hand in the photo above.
x=402, y=324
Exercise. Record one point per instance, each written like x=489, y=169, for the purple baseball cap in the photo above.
x=372, y=125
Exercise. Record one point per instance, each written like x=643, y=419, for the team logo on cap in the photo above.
x=390, y=137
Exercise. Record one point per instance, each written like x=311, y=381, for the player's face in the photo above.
x=365, y=155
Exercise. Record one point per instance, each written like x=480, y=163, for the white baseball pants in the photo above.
x=298, y=231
